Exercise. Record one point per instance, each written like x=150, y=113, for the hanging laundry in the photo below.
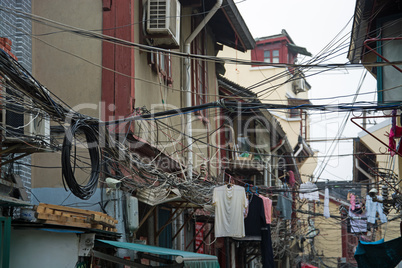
x=306, y=265
x=394, y=133
x=256, y=217
x=255, y=225
x=267, y=208
x=309, y=191
x=284, y=205
x=358, y=222
x=392, y=136
x=292, y=179
x=352, y=201
x=246, y=208
x=326, y=203
x=267, y=252
x=379, y=253
x=373, y=207
x=229, y=203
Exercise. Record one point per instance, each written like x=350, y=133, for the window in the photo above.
x=267, y=56
x=390, y=49
x=294, y=113
x=271, y=56
x=299, y=114
x=275, y=56
x=161, y=63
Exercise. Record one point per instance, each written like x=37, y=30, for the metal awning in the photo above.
x=12, y=202
x=189, y=259
x=297, y=49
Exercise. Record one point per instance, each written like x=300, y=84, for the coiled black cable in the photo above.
x=82, y=191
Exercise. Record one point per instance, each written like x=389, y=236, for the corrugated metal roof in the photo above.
x=359, y=29
x=229, y=27
x=236, y=88
x=365, y=24
x=283, y=33
x=190, y=259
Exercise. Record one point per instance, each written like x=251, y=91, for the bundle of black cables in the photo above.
x=91, y=134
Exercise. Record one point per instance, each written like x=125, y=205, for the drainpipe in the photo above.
x=268, y=178
x=187, y=84
x=299, y=151
x=300, y=147
x=266, y=166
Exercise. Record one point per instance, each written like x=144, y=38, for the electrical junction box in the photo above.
x=132, y=213
x=86, y=244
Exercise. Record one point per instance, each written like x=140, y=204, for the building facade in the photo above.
x=376, y=43
x=273, y=79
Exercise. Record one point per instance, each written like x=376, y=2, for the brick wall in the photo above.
x=5, y=44
x=18, y=30
x=16, y=37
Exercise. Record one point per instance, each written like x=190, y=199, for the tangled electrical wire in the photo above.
x=23, y=85
x=116, y=157
x=26, y=95
x=113, y=157
x=91, y=134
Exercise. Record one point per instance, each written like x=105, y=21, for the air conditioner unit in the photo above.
x=23, y=127
x=299, y=85
x=39, y=127
x=18, y=125
x=163, y=23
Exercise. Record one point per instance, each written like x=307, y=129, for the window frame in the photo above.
x=271, y=58
x=161, y=63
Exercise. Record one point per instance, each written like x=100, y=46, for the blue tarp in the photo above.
x=379, y=253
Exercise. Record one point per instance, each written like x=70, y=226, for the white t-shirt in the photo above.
x=229, y=211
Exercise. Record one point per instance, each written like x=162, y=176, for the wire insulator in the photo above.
x=385, y=192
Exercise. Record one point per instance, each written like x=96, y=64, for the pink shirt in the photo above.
x=267, y=208
x=352, y=201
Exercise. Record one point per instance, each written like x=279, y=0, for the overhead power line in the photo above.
x=232, y=105
x=114, y=40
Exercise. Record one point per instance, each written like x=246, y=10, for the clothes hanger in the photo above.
x=248, y=188
x=256, y=190
x=229, y=182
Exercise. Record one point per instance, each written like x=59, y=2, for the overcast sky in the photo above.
x=313, y=24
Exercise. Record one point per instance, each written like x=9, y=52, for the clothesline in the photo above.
x=307, y=191
x=242, y=218
x=274, y=189
x=268, y=190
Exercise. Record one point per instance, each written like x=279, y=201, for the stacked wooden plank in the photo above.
x=75, y=217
